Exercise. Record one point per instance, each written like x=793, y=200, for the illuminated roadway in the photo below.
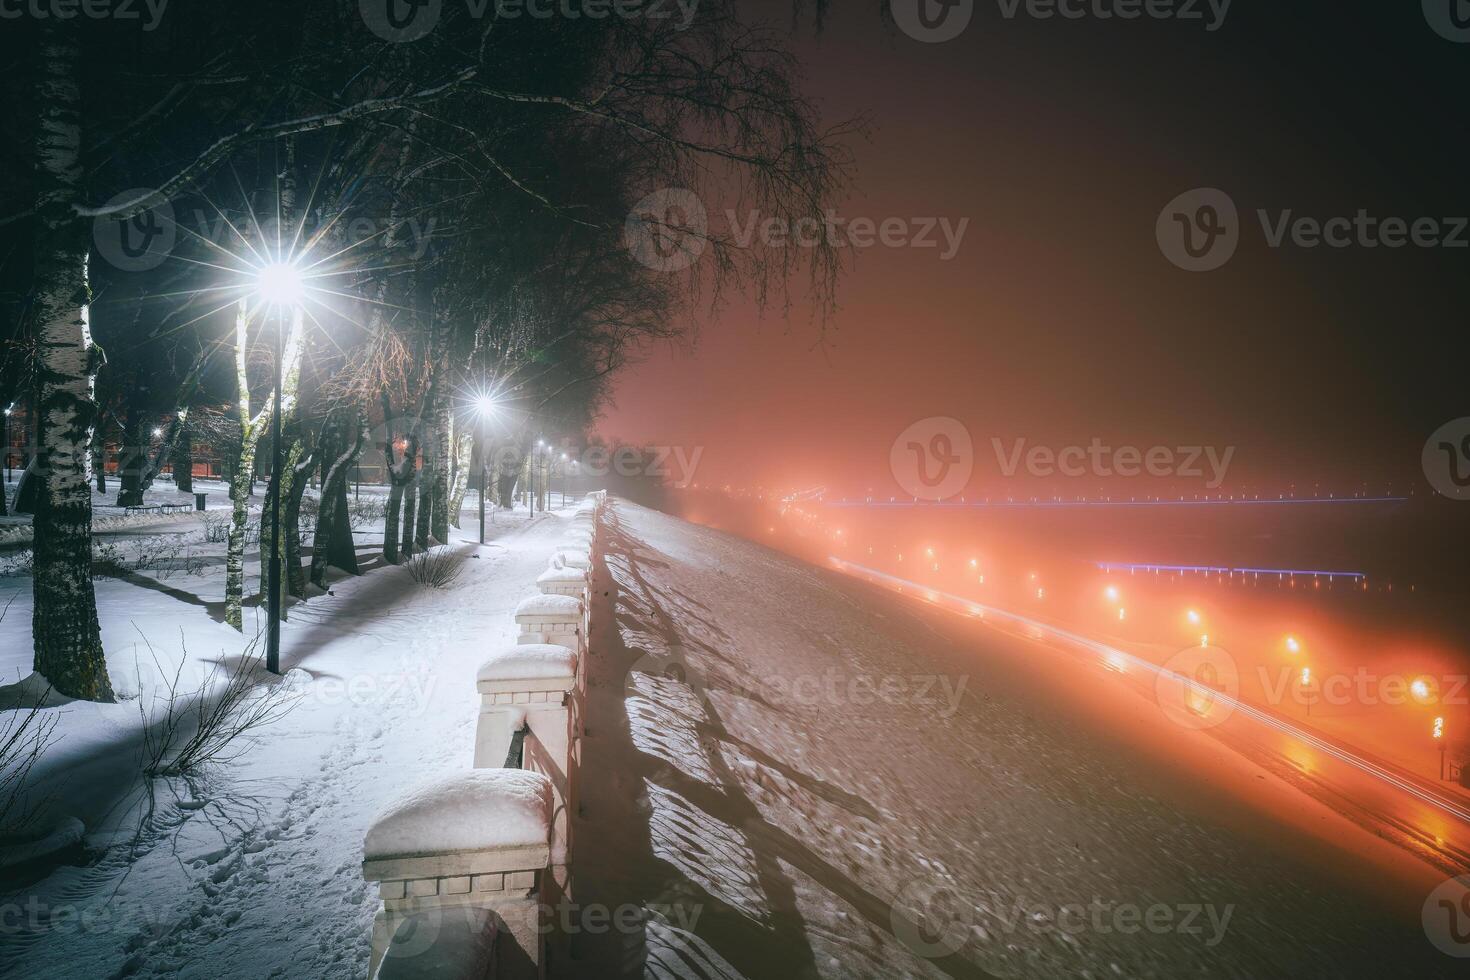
x=1432, y=823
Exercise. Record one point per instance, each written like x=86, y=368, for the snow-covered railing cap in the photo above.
x=562, y=575
x=473, y=810
x=574, y=558
x=549, y=662
x=549, y=608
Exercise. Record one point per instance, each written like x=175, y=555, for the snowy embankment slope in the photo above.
x=796, y=775
x=255, y=871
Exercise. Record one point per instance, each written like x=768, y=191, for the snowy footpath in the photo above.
x=791, y=774
x=253, y=870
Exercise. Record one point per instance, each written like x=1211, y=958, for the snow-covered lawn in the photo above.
x=254, y=869
x=789, y=774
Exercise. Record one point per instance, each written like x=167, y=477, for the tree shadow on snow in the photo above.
x=653, y=799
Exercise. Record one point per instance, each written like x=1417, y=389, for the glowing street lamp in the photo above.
x=1292, y=645
x=280, y=284
x=1192, y=616
x=1111, y=592
x=1420, y=689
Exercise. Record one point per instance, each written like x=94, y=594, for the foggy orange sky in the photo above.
x=1059, y=320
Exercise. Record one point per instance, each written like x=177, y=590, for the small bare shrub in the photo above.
x=108, y=560
x=436, y=568
x=24, y=735
x=365, y=513
x=212, y=723
x=216, y=526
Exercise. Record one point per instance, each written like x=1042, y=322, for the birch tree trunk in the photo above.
x=443, y=442
x=301, y=467
x=67, y=638
x=333, y=542
x=243, y=479
x=464, y=461
x=410, y=511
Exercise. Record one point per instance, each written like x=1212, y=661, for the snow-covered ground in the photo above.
x=786, y=773
x=253, y=869
x=790, y=774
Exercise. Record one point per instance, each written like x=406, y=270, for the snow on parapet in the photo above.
x=562, y=575
x=470, y=810
x=558, y=607
x=529, y=661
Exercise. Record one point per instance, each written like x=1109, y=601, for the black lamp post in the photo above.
x=279, y=285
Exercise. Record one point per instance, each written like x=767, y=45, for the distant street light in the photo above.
x=484, y=408
x=1292, y=644
x=1192, y=616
